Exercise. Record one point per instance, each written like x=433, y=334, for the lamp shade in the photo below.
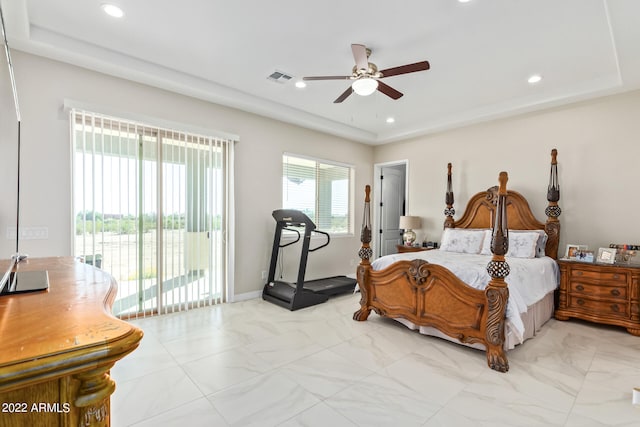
x=365, y=86
x=410, y=222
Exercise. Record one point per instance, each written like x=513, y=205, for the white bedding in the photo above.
x=529, y=280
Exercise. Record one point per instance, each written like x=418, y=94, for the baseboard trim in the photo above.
x=246, y=296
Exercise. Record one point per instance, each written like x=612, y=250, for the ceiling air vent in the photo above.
x=279, y=77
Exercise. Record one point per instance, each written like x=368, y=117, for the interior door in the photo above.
x=392, y=205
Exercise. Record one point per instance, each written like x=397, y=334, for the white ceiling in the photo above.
x=481, y=54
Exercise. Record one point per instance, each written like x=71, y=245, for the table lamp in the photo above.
x=408, y=224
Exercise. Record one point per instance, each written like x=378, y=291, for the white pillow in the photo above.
x=541, y=243
x=541, y=247
x=466, y=241
x=522, y=243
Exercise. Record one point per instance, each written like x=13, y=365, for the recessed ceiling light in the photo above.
x=112, y=10
x=300, y=84
x=534, y=79
x=464, y=1
x=391, y=120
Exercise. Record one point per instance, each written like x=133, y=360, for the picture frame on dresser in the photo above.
x=607, y=255
x=573, y=250
x=585, y=256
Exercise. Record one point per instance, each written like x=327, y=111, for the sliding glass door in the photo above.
x=151, y=208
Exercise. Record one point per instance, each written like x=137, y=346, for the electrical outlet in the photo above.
x=264, y=275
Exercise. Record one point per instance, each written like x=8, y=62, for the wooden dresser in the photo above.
x=600, y=293
x=57, y=347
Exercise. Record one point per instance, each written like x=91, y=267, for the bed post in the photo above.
x=449, y=211
x=553, y=211
x=497, y=292
x=365, y=253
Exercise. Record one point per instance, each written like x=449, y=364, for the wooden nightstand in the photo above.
x=600, y=293
x=404, y=248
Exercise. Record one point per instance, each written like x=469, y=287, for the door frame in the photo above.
x=377, y=197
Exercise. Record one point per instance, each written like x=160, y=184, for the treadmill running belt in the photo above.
x=331, y=285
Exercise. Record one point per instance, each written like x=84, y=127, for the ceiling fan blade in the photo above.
x=344, y=95
x=404, y=69
x=360, y=55
x=327, y=78
x=389, y=91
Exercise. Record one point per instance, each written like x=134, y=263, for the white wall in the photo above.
x=598, y=151
x=43, y=85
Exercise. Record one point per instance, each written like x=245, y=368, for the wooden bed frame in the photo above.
x=430, y=295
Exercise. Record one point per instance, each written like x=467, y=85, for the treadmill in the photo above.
x=301, y=294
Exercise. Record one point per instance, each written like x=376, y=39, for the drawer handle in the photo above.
x=580, y=301
x=616, y=276
x=580, y=288
x=615, y=308
x=578, y=273
x=615, y=293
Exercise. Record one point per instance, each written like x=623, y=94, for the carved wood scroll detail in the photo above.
x=419, y=270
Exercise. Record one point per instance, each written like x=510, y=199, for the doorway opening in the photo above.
x=390, y=200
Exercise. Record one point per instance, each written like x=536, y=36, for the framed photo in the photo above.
x=585, y=256
x=607, y=255
x=573, y=251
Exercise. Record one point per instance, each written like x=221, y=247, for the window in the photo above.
x=151, y=208
x=319, y=188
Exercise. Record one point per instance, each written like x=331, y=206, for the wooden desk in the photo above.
x=57, y=347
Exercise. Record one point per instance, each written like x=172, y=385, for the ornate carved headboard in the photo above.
x=481, y=208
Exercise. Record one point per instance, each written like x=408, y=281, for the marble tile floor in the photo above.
x=252, y=363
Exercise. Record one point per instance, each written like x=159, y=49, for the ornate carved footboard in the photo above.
x=430, y=295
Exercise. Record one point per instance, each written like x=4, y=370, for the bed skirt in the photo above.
x=536, y=316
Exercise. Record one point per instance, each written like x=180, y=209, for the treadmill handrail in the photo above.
x=290, y=243
x=325, y=244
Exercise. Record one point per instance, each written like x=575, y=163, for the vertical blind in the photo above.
x=319, y=188
x=151, y=207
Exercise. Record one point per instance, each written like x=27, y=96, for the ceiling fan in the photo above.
x=366, y=77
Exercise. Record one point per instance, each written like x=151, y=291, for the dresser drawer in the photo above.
x=598, y=291
x=600, y=308
x=598, y=276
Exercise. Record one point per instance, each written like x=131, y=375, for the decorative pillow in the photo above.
x=523, y=251
x=541, y=246
x=523, y=244
x=466, y=241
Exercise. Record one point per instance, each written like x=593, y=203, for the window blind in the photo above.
x=320, y=189
x=151, y=207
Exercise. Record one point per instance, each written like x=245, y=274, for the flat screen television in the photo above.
x=14, y=281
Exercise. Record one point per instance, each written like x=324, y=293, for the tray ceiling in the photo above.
x=481, y=53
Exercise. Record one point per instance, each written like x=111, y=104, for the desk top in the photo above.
x=66, y=328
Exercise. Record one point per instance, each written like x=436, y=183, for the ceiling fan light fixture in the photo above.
x=365, y=86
